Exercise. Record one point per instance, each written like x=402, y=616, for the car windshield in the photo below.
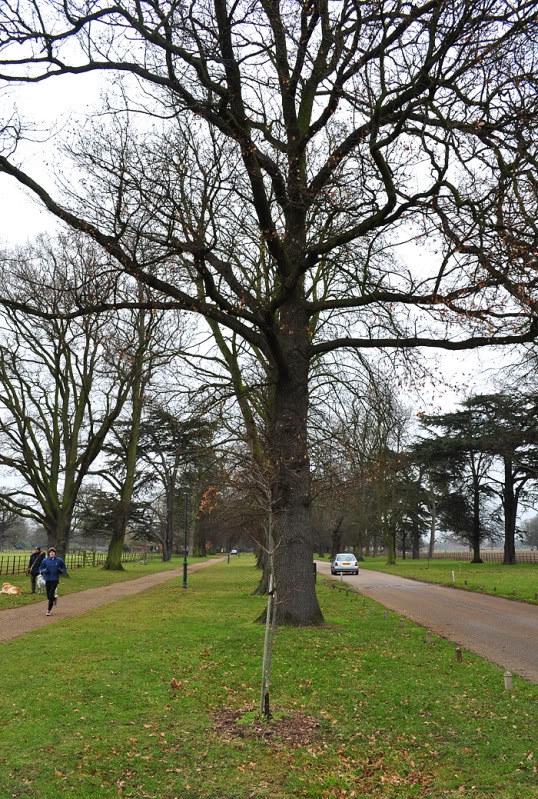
x=345, y=556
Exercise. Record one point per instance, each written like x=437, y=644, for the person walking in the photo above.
x=51, y=568
x=36, y=559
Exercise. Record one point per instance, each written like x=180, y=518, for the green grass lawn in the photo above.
x=126, y=701
x=83, y=578
x=519, y=581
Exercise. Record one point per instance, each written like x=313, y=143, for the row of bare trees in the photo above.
x=88, y=400
x=74, y=392
x=293, y=149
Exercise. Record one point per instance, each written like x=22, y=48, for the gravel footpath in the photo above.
x=18, y=621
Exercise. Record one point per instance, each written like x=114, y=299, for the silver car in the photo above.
x=345, y=563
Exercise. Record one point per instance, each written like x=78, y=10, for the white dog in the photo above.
x=42, y=584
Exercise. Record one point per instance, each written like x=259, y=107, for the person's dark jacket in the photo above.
x=36, y=559
x=51, y=568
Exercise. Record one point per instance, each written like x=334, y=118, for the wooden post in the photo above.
x=458, y=654
x=507, y=681
x=401, y=623
x=428, y=636
x=384, y=614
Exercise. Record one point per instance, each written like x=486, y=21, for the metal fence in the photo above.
x=497, y=557
x=17, y=564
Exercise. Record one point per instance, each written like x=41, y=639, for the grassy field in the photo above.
x=141, y=698
x=88, y=577
x=519, y=581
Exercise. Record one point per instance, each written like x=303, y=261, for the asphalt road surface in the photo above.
x=501, y=630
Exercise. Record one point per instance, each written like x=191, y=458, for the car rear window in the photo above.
x=345, y=557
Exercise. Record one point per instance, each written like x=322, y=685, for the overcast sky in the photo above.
x=50, y=107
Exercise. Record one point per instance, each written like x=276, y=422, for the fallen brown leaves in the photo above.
x=294, y=729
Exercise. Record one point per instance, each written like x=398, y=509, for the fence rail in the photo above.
x=17, y=564
x=494, y=557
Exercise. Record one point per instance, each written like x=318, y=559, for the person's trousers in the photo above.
x=33, y=578
x=52, y=585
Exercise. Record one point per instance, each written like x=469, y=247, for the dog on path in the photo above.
x=42, y=584
x=7, y=588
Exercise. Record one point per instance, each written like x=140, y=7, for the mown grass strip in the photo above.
x=121, y=702
x=518, y=581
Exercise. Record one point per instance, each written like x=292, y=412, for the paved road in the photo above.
x=501, y=630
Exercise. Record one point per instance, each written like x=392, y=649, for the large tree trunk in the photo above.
x=200, y=541
x=168, y=539
x=58, y=533
x=291, y=510
x=510, y=510
x=360, y=545
x=433, y=515
x=415, y=536
x=336, y=536
x=263, y=586
x=167, y=551
x=115, y=547
x=476, y=525
x=390, y=544
x=263, y=562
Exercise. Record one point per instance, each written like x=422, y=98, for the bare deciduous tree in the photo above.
x=57, y=398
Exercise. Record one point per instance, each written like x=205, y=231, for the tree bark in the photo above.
x=290, y=506
x=415, y=537
x=263, y=562
x=510, y=509
x=58, y=533
x=390, y=544
x=336, y=536
x=115, y=549
x=433, y=514
x=476, y=524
